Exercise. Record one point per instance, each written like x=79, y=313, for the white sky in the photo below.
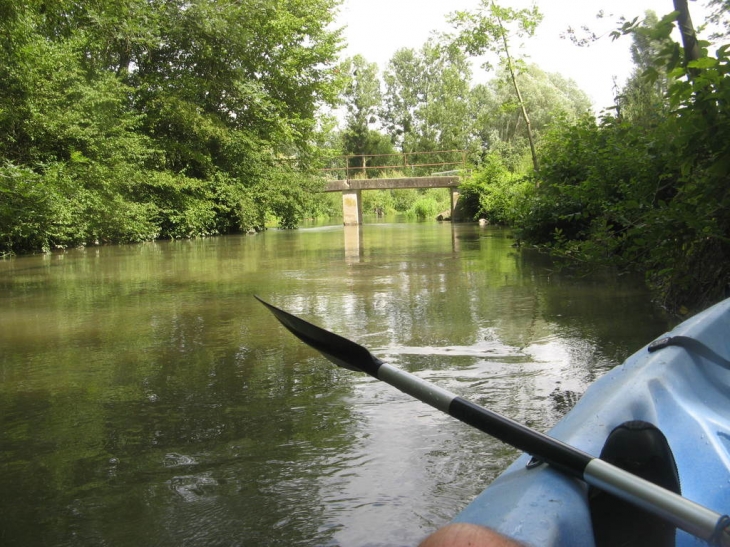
x=375, y=29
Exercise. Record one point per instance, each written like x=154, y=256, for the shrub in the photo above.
x=495, y=193
x=423, y=208
x=378, y=201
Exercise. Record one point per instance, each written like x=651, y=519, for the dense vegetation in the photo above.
x=643, y=188
x=139, y=119
x=646, y=188
x=136, y=119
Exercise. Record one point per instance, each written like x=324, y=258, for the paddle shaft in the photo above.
x=681, y=512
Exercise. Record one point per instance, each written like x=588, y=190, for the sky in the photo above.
x=375, y=29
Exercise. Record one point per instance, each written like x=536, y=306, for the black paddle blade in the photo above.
x=341, y=351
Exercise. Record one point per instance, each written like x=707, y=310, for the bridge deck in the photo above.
x=388, y=184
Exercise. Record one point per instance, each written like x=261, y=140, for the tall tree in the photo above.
x=258, y=68
x=548, y=96
x=145, y=118
x=490, y=28
x=403, y=94
x=426, y=98
x=362, y=98
x=687, y=30
x=445, y=101
x=643, y=98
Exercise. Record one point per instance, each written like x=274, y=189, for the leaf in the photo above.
x=721, y=166
x=704, y=62
x=651, y=75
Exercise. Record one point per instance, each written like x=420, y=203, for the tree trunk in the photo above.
x=524, y=113
x=692, y=52
x=689, y=37
x=512, y=75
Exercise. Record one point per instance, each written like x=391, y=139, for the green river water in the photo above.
x=147, y=398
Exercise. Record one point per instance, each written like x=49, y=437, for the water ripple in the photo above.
x=483, y=350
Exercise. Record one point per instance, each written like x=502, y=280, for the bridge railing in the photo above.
x=408, y=164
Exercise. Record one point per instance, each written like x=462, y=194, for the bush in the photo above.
x=425, y=207
x=325, y=205
x=495, y=193
x=26, y=210
x=429, y=203
x=287, y=195
x=654, y=198
x=404, y=198
x=378, y=201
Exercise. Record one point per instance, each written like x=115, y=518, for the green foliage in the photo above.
x=551, y=100
x=424, y=208
x=288, y=195
x=495, y=193
x=645, y=189
x=26, y=209
x=372, y=149
x=586, y=169
x=425, y=103
x=490, y=29
x=429, y=203
x=654, y=198
x=361, y=96
x=490, y=26
x=131, y=120
x=378, y=202
x=56, y=209
x=403, y=199
x=325, y=205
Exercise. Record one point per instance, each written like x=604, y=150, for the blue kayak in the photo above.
x=680, y=384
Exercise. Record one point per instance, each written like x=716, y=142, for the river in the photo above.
x=147, y=398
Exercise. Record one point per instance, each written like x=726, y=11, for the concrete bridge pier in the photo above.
x=456, y=210
x=352, y=207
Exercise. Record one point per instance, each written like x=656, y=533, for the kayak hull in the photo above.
x=683, y=390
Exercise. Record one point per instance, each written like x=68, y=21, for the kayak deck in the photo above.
x=682, y=389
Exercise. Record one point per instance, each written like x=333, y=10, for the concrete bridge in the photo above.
x=352, y=188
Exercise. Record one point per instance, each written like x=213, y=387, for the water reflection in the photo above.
x=147, y=398
x=353, y=243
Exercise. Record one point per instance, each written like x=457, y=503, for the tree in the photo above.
x=362, y=98
x=643, y=98
x=263, y=69
x=445, y=106
x=647, y=196
x=362, y=94
x=426, y=98
x=403, y=91
x=148, y=118
x=686, y=29
x=489, y=29
x=548, y=96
